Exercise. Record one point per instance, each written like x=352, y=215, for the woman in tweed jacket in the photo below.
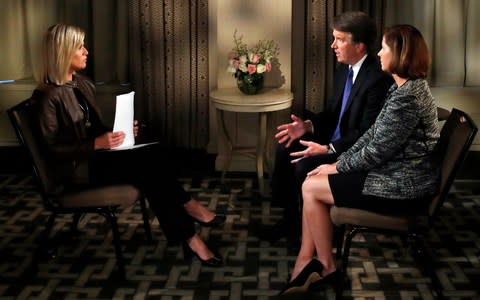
x=390, y=169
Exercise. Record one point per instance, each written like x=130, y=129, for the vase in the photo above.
x=250, y=84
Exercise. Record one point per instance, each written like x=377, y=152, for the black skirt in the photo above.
x=347, y=191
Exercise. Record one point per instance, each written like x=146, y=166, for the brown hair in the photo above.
x=361, y=27
x=410, y=56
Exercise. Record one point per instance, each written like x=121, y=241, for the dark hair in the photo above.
x=410, y=56
x=362, y=28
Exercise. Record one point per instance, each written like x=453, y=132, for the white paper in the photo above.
x=131, y=147
x=124, y=119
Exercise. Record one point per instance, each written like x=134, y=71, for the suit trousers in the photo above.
x=143, y=168
x=287, y=179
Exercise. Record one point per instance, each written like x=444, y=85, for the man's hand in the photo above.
x=292, y=131
x=312, y=149
x=324, y=170
x=109, y=140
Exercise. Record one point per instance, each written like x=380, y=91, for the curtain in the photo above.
x=169, y=69
x=27, y=20
x=452, y=32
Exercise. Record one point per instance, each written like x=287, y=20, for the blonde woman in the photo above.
x=70, y=124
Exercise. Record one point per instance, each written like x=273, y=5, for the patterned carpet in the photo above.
x=379, y=268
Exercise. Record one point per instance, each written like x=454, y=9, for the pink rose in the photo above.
x=268, y=67
x=232, y=55
x=256, y=58
x=251, y=69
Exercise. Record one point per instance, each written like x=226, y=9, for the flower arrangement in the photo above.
x=255, y=60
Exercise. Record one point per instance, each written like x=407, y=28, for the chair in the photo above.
x=456, y=137
x=442, y=113
x=103, y=200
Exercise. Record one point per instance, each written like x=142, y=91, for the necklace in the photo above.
x=82, y=102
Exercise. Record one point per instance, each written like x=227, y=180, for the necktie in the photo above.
x=346, y=93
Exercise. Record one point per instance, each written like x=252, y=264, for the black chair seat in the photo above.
x=359, y=217
x=121, y=196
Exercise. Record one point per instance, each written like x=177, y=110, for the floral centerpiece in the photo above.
x=249, y=64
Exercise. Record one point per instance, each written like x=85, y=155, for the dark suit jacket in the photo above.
x=365, y=102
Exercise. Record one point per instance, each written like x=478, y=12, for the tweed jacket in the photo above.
x=364, y=103
x=397, y=150
x=66, y=141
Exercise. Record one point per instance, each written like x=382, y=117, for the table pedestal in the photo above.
x=264, y=103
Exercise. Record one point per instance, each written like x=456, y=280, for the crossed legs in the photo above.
x=317, y=228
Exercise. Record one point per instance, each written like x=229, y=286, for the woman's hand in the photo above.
x=109, y=140
x=135, y=128
x=312, y=149
x=324, y=170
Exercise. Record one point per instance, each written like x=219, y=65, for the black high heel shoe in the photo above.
x=217, y=220
x=333, y=279
x=310, y=274
x=188, y=253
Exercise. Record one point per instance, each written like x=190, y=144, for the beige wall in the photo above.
x=10, y=94
x=466, y=99
x=255, y=20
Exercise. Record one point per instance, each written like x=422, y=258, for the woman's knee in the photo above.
x=309, y=186
x=316, y=188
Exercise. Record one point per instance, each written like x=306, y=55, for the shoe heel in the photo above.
x=304, y=287
x=308, y=277
x=188, y=254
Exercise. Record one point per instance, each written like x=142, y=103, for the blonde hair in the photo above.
x=59, y=45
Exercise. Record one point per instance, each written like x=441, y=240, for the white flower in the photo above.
x=231, y=69
x=257, y=59
x=243, y=59
x=261, y=68
x=243, y=67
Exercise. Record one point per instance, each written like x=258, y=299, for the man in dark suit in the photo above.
x=360, y=87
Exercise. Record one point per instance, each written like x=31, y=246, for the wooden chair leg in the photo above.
x=423, y=258
x=110, y=216
x=343, y=243
x=74, y=226
x=146, y=220
x=45, y=250
x=346, y=251
x=339, y=236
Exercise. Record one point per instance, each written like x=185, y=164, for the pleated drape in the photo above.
x=169, y=69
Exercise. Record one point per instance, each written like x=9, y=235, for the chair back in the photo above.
x=23, y=118
x=456, y=137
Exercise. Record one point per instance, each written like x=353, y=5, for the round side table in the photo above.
x=264, y=103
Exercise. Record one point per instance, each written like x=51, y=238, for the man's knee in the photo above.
x=282, y=152
x=301, y=171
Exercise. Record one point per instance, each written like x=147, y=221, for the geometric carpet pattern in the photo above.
x=85, y=268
